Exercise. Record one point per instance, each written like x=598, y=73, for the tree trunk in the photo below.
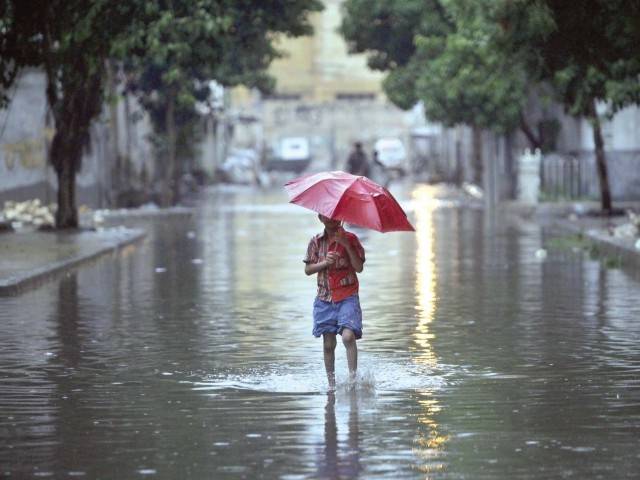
x=66, y=214
x=117, y=173
x=169, y=196
x=601, y=161
x=477, y=156
x=526, y=129
x=79, y=103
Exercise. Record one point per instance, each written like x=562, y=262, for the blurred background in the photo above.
x=443, y=91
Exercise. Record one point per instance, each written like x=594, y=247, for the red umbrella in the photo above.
x=354, y=199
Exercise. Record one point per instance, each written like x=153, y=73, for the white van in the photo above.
x=291, y=154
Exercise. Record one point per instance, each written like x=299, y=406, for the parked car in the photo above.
x=240, y=166
x=291, y=154
x=391, y=153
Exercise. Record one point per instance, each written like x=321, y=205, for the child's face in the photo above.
x=329, y=223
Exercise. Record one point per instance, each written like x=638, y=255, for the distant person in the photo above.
x=336, y=256
x=384, y=175
x=357, y=163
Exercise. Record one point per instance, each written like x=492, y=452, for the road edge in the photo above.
x=37, y=276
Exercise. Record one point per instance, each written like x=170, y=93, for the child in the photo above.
x=336, y=255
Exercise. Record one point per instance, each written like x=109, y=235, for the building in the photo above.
x=323, y=94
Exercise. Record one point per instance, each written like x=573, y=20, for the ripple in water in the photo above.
x=374, y=377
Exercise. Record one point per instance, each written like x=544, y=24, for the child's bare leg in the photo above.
x=329, y=344
x=349, y=340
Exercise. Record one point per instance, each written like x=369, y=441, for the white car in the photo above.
x=391, y=153
x=239, y=166
x=291, y=154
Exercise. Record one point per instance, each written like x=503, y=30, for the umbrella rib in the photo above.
x=342, y=196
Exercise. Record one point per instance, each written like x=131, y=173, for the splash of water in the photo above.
x=375, y=377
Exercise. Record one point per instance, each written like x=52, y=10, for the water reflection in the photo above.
x=425, y=273
x=430, y=442
x=340, y=459
x=485, y=362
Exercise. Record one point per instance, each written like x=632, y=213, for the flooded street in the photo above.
x=191, y=355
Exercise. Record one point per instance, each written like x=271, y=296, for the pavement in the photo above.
x=614, y=237
x=29, y=257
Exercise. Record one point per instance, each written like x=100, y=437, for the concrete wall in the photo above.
x=119, y=134
x=331, y=127
x=319, y=67
x=621, y=137
x=23, y=141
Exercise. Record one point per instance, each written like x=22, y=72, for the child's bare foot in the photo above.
x=331, y=377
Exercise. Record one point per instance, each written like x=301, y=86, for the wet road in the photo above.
x=190, y=356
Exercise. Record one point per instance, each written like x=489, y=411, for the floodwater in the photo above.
x=190, y=355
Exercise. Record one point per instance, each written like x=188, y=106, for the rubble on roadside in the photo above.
x=33, y=214
x=29, y=212
x=631, y=229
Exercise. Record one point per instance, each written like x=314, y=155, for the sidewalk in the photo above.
x=27, y=258
x=613, y=236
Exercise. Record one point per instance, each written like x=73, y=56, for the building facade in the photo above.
x=322, y=93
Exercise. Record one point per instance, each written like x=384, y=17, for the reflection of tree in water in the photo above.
x=67, y=322
x=340, y=459
x=69, y=358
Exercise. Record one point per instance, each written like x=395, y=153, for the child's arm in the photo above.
x=356, y=262
x=354, y=258
x=311, y=268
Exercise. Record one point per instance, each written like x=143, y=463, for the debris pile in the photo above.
x=629, y=229
x=30, y=212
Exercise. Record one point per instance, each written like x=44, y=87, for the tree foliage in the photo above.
x=475, y=62
x=444, y=55
x=180, y=45
x=69, y=40
x=589, y=51
x=178, y=41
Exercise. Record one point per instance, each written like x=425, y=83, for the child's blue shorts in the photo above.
x=330, y=317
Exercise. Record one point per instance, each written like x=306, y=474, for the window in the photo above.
x=283, y=96
x=355, y=96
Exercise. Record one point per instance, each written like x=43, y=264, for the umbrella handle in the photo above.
x=334, y=242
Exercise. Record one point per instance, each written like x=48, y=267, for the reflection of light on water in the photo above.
x=425, y=273
x=430, y=442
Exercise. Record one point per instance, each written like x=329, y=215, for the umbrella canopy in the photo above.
x=354, y=199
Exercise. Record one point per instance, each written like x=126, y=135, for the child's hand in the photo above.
x=331, y=258
x=340, y=238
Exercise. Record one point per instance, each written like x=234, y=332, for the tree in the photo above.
x=182, y=44
x=443, y=54
x=70, y=40
x=589, y=51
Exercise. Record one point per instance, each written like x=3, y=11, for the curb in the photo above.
x=39, y=275
x=610, y=246
x=143, y=213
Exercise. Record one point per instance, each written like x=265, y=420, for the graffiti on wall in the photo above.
x=29, y=154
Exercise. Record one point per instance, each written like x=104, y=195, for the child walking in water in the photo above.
x=336, y=256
